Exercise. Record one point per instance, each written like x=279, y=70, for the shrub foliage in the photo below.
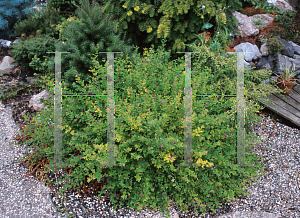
x=94, y=28
x=29, y=47
x=149, y=131
x=11, y=11
x=177, y=21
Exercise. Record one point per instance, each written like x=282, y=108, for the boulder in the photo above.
x=7, y=65
x=289, y=56
x=35, y=100
x=283, y=5
x=245, y=25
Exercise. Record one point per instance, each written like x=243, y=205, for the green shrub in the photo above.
x=274, y=45
x=149, y=120
x=44, y=23
x=66, y=8
x=65, y=24
x=147, y=22
x=24, y=51
x=94, y=28
x=26, y=27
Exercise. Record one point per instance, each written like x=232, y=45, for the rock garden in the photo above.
x=268, y=32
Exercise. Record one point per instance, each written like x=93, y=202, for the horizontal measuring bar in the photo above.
x=214, y=95
x=84, y=95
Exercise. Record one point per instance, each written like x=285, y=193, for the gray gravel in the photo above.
x=20, y=196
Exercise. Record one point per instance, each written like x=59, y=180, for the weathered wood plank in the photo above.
x=286, y=102
x=296, y=88
x=295, y=93
x=281, y=111
x=287, y=106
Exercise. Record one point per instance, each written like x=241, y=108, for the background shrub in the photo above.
x=65, y=7
x=43, y=22
x=65, y=24
x=176, y=21
x=24, y=51
x=12, y=11
x=274, y=45
x=94, y=28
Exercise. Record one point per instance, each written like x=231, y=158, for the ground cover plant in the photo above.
x=149, y=132
x=287, y=28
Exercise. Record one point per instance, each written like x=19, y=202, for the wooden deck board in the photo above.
x=287, y=106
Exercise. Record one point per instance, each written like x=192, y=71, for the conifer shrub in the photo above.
x=82, y=37
x=12, y=11
x=65, y=23
x=66, y=8
x=149, y=133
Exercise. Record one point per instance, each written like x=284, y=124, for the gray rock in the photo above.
x=264, y=50
x=252, y=52
x=288, y=50
x=289, y=55
x=283, y=5
x=7, y=65
x=35, y=100
x=246, y=25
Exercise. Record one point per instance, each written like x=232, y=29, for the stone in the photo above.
x=31, y=79
x=35, y=100
x=290, y=49
x=246, y=25
x=289, y=55
x=7, y=65
x=272, y=62
x=264, y=50
x=252, y=51
x=5, y=43
x=283, y=5
x=266, y=18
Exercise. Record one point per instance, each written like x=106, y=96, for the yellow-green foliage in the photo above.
x=177, y=21
x=149, y=132
x=64, y=24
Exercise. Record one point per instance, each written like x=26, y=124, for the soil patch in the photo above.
x=20, y=90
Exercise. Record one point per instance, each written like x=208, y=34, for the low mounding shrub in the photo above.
x=24, y=51
x=274, y=45
x=149, y=133
x=43, y=22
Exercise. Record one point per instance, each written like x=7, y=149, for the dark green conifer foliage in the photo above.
x=95, y=28
x=65, y=7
